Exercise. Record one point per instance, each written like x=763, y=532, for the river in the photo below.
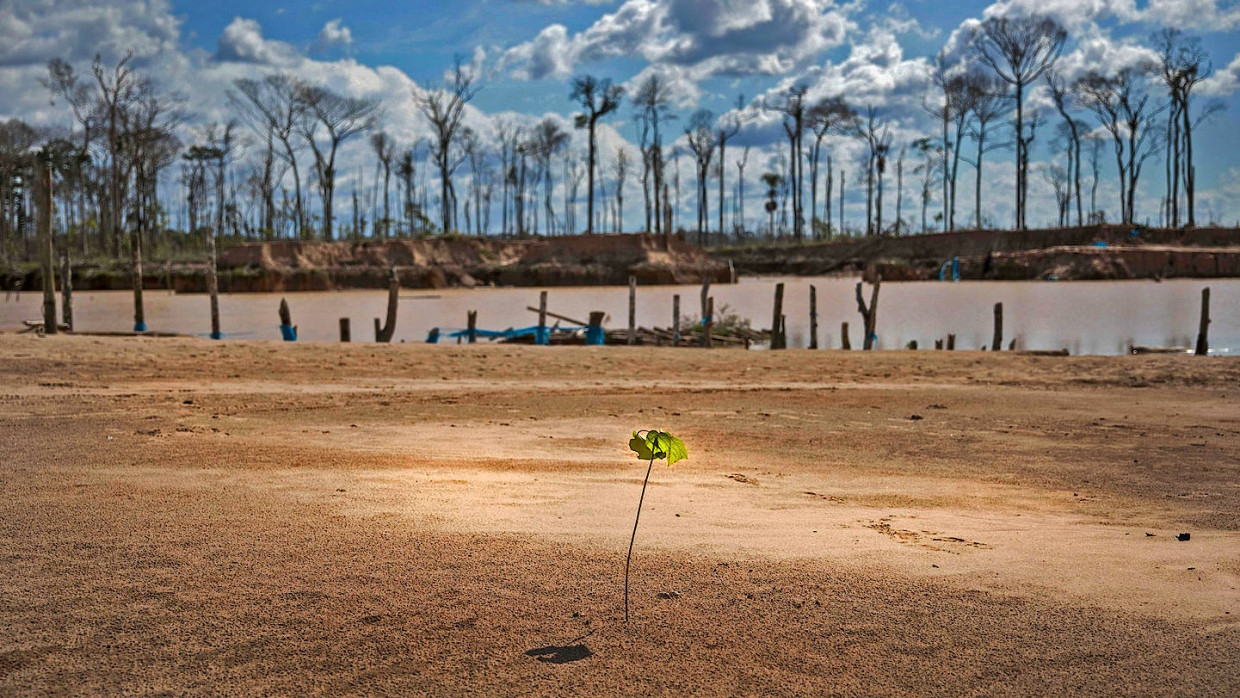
x=1096, y=317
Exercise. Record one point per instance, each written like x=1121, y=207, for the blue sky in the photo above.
x=527, y=50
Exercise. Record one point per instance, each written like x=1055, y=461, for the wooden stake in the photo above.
x=676, y=320
x=951, y=342
x=869, y=314
x=471, y=322
x=1203, y=329
x=213, y=283
x=709, y=325
x=345, y=334
x=632, y=310
x=997, y=344
x=44, y=223
x=384, y=333
x=66, y=290
x=705, y=296
x=813, y=317
x=845, y=344
x=542, y=317
x=777, y=339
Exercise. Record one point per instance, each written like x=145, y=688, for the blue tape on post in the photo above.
x=217, y=335
x=139, y=327
x=432, y=337
x=288, y=333
x=594, y=336
x=542, y=335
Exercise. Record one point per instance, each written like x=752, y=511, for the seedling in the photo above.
x=654, y=445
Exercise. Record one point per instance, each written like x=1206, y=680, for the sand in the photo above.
x=184, y=516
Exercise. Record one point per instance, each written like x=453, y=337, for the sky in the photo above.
x=525, y=53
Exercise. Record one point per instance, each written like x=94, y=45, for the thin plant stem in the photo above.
x=629, y=559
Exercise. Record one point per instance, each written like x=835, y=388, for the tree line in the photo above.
x=271, y=171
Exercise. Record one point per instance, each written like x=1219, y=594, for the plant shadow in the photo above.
x=560, y=654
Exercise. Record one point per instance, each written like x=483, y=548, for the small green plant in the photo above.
x=654, y=445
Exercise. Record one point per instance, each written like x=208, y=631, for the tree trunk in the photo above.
x=43, y=221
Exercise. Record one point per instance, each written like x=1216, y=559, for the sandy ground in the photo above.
x=249, y=518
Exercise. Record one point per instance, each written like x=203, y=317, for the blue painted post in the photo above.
x=542, y=335
x=595, y=336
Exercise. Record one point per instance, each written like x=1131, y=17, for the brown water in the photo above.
x=1103, y=317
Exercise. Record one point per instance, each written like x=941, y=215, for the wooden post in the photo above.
x=632, y=310
x=595, y=335
x=345, y=334
x=471, y=321
x=213, y=283
x=951, y=342
x=777, y=339
x=705, y=296
x=845, y=344
x=783, y=331
x=286, y=323
x=813, y=317
x=938, y=345
x=66, y=290
x=139, y=303
x=869, y=313
x=43, y=219
x=542, y=319
x=676, y=320
x=708, y=324
x=384, y=334
x=997, y=343
x=1203, y=330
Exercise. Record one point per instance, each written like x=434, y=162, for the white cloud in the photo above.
x=334, y=34
x=1224, y=82
x=723, y=37
x=243, y=42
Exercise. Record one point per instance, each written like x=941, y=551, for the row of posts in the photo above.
x=595, y=333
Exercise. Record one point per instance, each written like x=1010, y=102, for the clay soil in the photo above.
x=179, y=516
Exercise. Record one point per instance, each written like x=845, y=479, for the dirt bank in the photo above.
x=1093, y=252
x=182, y=516
x=431, y=263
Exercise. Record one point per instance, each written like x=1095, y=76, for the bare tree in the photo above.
x=273, y=108
x=988, y=101
x=820, y=119
x=1062, y=96
x=1182, y=64
x=876, y=133
x=599, y=98
x=700, y=135
x=385, y=152
x=740, y=192
x=443, y=108
x=549, y=139
x=728, y=126
x=620, y=168
x=1121, y=105
x=792, y=107
x=652, y=102
x=1019, y=50
x=340, y=117
x=118, y=87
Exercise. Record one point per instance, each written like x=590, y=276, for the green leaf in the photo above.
x=676, y=451
x=638, y=444
x=659, y=442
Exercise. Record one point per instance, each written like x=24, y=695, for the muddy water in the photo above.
x=1085, y=317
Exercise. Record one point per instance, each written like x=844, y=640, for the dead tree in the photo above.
x=444, y=108
x=384, y=332
x=599, y=98
x=340, y=117
x=1019, y=49
x=869, y=314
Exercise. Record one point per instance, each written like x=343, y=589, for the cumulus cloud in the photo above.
x=1224, y=82
x=723, y=37
x=243, y=42
x=334, y=33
